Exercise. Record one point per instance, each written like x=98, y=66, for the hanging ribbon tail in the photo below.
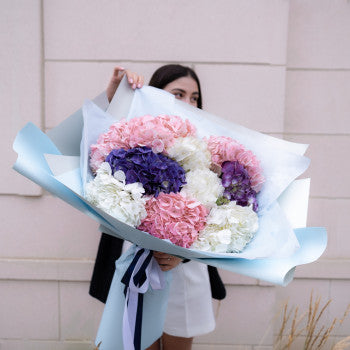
x=134, y=315
x=136, y=284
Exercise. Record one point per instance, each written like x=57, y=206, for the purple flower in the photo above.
x=236, y=181
x=157, y=172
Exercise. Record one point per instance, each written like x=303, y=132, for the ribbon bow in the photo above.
x=143, y=272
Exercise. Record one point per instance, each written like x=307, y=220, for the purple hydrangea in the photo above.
x=235, y=179
x=157, y=172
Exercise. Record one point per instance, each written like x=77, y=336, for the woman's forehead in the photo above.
x=184, y=83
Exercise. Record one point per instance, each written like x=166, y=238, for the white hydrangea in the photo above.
x=203, y=185
x=190, y=152
x=110, y=193
x=229, y=229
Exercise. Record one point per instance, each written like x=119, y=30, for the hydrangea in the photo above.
x=156, y=175
x=174, y=217
x=157, y=133
x=252, y=164
x=204, y=185
x=110, y=193
x=224, y=148
x=236, y=180
x=229, y=229
x=156, y=172
x=191, y=153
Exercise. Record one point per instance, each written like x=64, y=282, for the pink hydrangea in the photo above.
x=252, y=164
x=224, y=148
x=157, y=133
x=174, y=217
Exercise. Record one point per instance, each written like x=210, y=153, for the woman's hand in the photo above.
x=166, y=261
x=135, y=81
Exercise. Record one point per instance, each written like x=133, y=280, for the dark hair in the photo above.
x=170, y=72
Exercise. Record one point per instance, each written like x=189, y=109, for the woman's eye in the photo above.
x=194, y=99
x=178, y=95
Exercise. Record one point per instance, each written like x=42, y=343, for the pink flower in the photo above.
x=178, y=126
x=251, y=163
x=174, y=217
x=256, y=180
x=157, y=133
x=223, y=148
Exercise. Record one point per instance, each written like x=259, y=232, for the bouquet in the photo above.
x=211, y=189
x=59, y=161
x=155, y=174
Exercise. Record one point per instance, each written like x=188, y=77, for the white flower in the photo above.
x=229, y=229
x=203, y=185
x=190, y=152
x=110, y=193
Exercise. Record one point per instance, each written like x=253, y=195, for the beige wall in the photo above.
x=281, y=67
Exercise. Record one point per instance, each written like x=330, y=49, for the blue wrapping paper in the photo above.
x=35, y=148
x=110, y=333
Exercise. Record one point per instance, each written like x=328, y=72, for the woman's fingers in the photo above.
x=135, y=80
x=166, y=261
x=140, y=81
x=117, y=71
x=161, y=255
x=117, y=76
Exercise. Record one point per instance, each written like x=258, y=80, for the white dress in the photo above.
x=190, y=309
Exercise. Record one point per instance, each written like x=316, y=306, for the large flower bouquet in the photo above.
x=210, y=189
x=234, y=158
x=142, y=161
x=155, y=174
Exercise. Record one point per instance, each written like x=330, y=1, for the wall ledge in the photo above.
x=325, y=269
x=81, y=271
x=49, y=270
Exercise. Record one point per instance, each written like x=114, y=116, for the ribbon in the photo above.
x=143, y=272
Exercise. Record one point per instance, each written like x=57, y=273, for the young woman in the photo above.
x=189, y=308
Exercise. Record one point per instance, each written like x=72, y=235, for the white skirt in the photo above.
x=190, y=309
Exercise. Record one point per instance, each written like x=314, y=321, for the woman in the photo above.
x=189, y=309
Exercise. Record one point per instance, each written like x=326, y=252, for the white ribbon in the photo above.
x=155, y=279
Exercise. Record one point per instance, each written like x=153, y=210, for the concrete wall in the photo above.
x=281, y=67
